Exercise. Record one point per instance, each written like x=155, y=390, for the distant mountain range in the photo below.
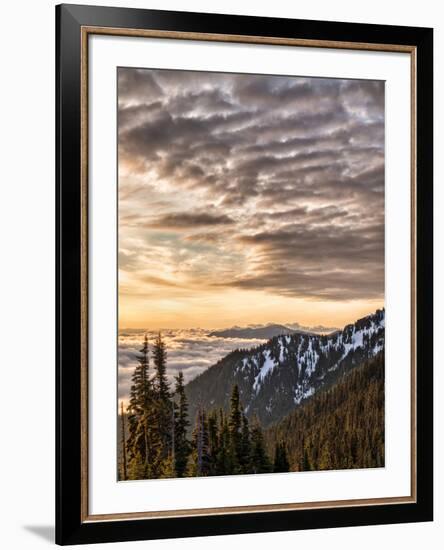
x=261, y=333
x=277, y=376
x=265, y=332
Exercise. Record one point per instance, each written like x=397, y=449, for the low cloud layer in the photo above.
x=190, y=351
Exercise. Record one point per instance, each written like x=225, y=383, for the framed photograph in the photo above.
x=244, y=274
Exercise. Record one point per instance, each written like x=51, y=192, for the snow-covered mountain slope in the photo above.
x=277, y=376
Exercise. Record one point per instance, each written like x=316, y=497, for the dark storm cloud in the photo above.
x=290, y=169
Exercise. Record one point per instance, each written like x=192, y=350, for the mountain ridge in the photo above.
x=266, y=332
x=262, y=333
x=278, y=375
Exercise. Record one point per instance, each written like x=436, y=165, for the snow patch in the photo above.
x=281, y=354
x=301, y=394
x=267, y=367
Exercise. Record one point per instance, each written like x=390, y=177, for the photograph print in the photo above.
x=250, y=274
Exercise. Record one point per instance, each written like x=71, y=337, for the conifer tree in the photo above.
x=200, y=460
x=168, y=468
x=213, y=434
x=160, y=365
x=181, y=444
x=281, y=463
x=137, y=468
x=162, y=398
x=306, y=465
x=260, y=461
x=325, y=458
x=138, y=408
x=245, y=454
x=124, y=474
x=152, y=461
x=235, y=426
x=223, y=458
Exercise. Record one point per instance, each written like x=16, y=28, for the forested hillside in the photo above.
x=339, y=428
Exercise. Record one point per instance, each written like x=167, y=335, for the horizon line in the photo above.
x=253, y=325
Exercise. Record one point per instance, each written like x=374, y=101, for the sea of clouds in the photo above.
x=188, y=350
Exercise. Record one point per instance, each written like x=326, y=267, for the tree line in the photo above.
x=156, y=436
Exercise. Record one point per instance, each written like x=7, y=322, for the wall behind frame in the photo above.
x=27, y=272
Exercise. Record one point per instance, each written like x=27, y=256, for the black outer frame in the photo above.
x=69, y=528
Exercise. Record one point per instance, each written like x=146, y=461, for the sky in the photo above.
x=248, y=199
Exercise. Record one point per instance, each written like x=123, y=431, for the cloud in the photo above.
x=132, y=83
x=326, y=260
x=270, y=183
x=190, y=351
x=186, y=220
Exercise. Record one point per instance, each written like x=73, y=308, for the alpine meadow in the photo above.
x=250, y=274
